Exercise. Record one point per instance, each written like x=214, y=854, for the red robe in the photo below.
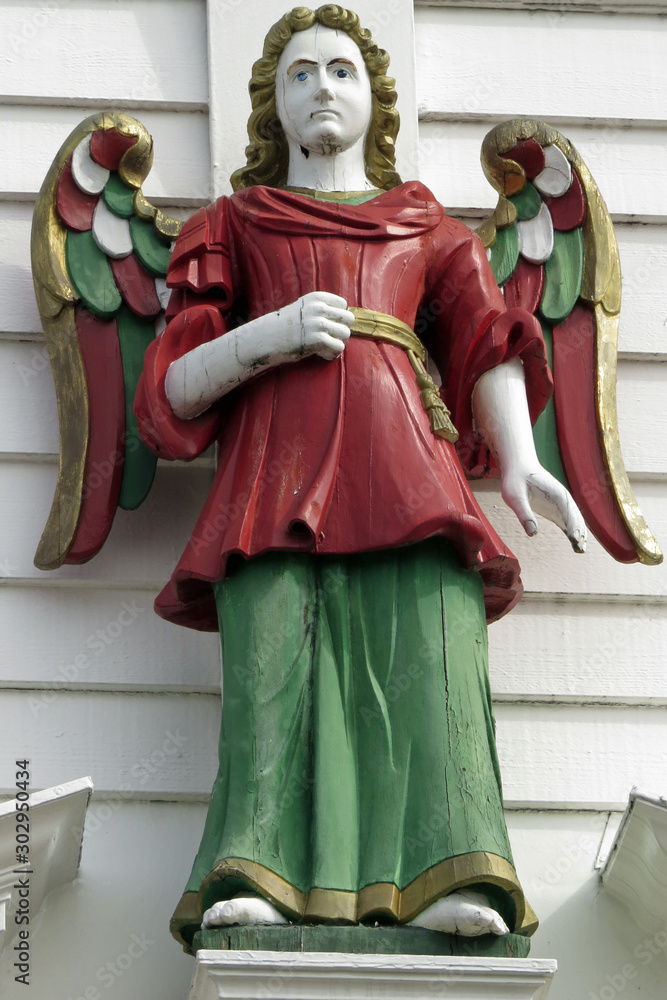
x=335, y=456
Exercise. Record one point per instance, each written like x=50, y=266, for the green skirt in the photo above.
x=358, y=774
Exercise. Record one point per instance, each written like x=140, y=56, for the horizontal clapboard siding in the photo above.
x=546, y=650
x=141, y=52
x=569, y=651
x=573, y=756
x=624, y=163
x=180, y=173
x=26, y=383
x=111, y=639
x=143, y=545
x=555, y=7
x=589, y=630
x=18, y=308
x=643, y=250
x=506, y=64
x=550, y=649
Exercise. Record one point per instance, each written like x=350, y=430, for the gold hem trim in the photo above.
x=379, y=899
x=185, y=915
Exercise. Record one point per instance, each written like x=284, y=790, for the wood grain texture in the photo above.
x=180, y=173
x=152, y=39
x=164, y=746
x=545, y=650
x=568, y=65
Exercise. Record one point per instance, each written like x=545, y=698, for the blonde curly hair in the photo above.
x=267, y=154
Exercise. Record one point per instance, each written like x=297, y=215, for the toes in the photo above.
x=242, y=910
x=465, y=913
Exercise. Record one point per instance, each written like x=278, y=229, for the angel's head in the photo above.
x=367, y=99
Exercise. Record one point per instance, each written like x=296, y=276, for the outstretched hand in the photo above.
x=501, y=414
x=537, y=491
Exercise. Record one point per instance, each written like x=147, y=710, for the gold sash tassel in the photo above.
x=381, y=326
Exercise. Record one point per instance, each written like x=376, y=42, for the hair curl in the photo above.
x=268, y=155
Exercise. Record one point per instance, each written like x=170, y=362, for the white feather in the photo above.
x=536, y=236
x=556, y=177
x=88, y=175
x=111, y=233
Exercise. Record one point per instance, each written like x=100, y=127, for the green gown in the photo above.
x=358, y=776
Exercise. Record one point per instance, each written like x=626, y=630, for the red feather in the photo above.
x=107, y=146
x=567, y=212
x=524, y=288
x=136, y=286
x=574, y=354
x=529, y=154
x=98, y=340
x=74, y=206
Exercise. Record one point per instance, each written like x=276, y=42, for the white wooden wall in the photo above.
x=578, y=669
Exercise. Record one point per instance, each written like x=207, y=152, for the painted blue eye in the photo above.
x=342, y=73
x=302, y=75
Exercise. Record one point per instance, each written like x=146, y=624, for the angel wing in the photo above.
x=100, y=252
x=553, y=251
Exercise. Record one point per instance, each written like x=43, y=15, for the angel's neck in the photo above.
x=341, y=171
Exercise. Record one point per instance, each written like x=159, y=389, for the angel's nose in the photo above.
x=324, y=90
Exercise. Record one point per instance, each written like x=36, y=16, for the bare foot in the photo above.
x=243, y=909
x=462, y=912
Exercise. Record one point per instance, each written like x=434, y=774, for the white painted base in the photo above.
x=251, y=975
x=55, y=824
x=636, y=871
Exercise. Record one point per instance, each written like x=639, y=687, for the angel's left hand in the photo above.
x=527, y=492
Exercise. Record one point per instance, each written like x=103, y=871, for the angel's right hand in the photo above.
x=316, y=324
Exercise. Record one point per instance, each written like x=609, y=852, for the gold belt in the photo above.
x=381, y=326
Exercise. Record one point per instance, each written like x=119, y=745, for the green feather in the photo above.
x=153, y=253
x=90, y=273
x=527, y=202
x=134, y=336
x=119, y=198
x=545, y=433
x=505, y=253
x=562, y=276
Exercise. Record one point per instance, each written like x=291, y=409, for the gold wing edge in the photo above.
x=601, y=288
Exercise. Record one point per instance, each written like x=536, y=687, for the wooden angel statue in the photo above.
x=341, y=553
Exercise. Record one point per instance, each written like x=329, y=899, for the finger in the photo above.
x=515, y=496
x=330, y=348
x=552, y=500
x=322, y=327
x=344, y=316
x=327, y=297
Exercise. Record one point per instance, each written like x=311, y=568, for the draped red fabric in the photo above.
x=335, y=456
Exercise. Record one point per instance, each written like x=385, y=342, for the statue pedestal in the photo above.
x=272, y=975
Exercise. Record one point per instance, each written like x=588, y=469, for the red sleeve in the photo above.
x=468, y=331
x=200, y=272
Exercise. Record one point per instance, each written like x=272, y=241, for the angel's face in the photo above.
x=323, y=91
